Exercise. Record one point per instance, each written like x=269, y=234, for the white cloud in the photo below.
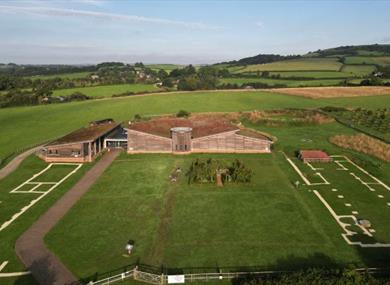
x=49, y=11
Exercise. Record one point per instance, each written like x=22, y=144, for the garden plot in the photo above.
x=353, y=197
x=39, y=185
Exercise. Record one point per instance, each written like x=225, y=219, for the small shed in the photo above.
x=314, y=156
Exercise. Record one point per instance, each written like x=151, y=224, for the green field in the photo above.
x=358, y=70
x=107, y=90
x=167, y=67
x=288, y=83
x=304, y=64
x=74, y=75
x=51, y=121
x=380, y=60
x=312, y=74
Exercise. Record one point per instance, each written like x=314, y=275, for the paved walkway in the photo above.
x=46, y=268
x=14, y=163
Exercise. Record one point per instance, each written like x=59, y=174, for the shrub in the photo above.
x=182, y=113
x=129, y=93
x=137, y=117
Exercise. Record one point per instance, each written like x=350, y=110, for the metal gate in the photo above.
x=148, y=277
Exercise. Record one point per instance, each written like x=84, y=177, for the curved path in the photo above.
x=46, y=268
x=14, y=163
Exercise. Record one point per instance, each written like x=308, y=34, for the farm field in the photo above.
x=52, y=121
x=107, y=90
x=73, y=75
x=308, y=64
x=288, y=83
x=167, y=67
x=380, y=60
x=358, y=70
x=335, y=92
x=312, y=74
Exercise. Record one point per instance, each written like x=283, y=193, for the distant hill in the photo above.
x=342, y=51
x=260, y=59
x=366, y=50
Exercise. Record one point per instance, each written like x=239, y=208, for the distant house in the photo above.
x=193, y=135
x=82, y=145
x=314, y=156
x=378, y=74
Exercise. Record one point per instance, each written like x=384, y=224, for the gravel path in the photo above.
x=30, y=247
x=14, y=163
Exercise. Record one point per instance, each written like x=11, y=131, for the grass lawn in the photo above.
x=45, y=122
x=107, y=90
x=304, y=64
x=73, y=75
x=266, y=223
x=12, y=203
x=288, y=83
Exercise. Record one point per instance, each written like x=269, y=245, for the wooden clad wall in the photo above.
x=229, y=142
x=142, y=142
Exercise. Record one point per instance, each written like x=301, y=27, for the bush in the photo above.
x=77, y=96
x=137, y=117
x=129, y=93
x=183, y=113
x=314, y=276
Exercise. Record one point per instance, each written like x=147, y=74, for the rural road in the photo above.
x=14, y=163
x=46, y=268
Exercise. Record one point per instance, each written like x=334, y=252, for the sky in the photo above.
x=182, y=32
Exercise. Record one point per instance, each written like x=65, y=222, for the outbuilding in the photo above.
x=82, y=145
x=314, y=156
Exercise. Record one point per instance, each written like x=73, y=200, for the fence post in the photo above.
x=162, y=279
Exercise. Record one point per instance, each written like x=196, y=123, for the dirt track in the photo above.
x=46, y=268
